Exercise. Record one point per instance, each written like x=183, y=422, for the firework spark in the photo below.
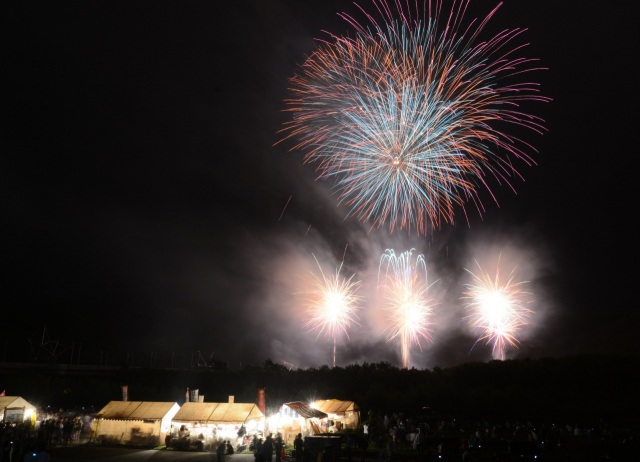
x=497, y=309
x=406, y=116
x=332, y=304
x=407, y=302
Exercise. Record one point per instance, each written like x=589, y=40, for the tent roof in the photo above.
x=14, y=401
x=335, y=406
x=138, y=410
x=304, y=410
x=226, y=413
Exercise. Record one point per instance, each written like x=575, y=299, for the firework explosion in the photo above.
x=406, y=293
x=405, y=116
x=496, y=309
x=332, y=304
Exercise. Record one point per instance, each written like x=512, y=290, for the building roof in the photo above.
x=303, y=410
x=335, y=406
x=138, y=410
x=225, y=413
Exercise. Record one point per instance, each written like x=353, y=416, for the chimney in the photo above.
x=261, y=400
x=230, y=399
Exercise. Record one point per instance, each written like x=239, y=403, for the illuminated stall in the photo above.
x=14, y=409
x=341, y=414
x=135, y=423
x=212, y=422
x=296, y=417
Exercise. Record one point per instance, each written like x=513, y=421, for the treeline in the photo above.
x=568, y=389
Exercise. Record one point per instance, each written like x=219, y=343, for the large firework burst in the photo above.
x=407, y=299
x=497, y=308
x=407, y=115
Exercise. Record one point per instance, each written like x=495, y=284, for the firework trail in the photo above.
x=285, y=207
x=407, y=302
x=406, y=115
x=496, y=309
x=332, y=304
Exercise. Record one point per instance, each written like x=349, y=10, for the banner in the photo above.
x=194, y=395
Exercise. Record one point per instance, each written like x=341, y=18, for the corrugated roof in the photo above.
x=306, y=411
x=137, y=410
x=335, y=406
x=226, y=413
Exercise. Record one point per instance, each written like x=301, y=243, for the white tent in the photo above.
x=14, y=409
x=213, y=421
x=297, y=417
x=136, y=423
x=345, y=414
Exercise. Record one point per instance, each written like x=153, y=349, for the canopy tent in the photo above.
x=137, y=423
x=213, y=421
x=347, y=413
x=298, y=409
x=14, y=409
x=297, y=417
x=219, y=413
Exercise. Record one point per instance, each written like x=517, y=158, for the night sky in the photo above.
x=149, y=210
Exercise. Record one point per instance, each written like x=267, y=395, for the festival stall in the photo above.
x=211, y=422
x=14, y=409
x=136, y=423
x=296, y=417
x=341, y=414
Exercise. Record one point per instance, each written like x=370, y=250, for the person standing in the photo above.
x=259, y=448
x=221, y=450
x=278, y=445
x=267, y=449
x=298, y=446
x=418, y=441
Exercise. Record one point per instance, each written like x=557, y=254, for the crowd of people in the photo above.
x=20, y=438
x=383, y=436
x=265, y=448
x=465, y=439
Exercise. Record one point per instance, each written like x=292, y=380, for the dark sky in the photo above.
x=147, y=210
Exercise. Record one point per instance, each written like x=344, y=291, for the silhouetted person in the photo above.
x=298, y=445
x=259, y=450
x=278, y=445
x=220, y=451
x=267, y=449
x=67, y=430
x=418, y=441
